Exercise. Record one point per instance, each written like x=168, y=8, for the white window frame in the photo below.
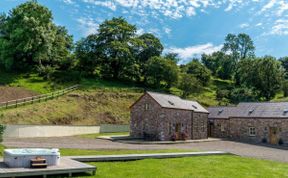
x=252, y=131
x=146, y=106
x=222, y=128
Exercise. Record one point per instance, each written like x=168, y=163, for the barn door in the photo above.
x=273, y=135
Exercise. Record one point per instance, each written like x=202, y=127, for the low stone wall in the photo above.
x=110, y=128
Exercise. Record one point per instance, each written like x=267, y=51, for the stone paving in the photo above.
x=241, y=149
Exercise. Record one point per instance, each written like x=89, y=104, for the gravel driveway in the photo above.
x=242, y=149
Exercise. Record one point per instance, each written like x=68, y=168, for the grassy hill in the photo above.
x=95, y=102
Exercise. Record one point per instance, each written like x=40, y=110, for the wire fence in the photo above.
x=36, y=99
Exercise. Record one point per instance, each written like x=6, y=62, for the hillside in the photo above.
x=95, y=102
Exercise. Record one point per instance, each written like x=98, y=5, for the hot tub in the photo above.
x=20, y=158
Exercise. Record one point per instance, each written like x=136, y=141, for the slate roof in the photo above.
x=253, y=109
x=175, y=102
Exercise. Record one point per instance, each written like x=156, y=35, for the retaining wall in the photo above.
x=30, y=131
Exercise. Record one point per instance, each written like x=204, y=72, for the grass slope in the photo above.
x=196, y=167
x=96, y=102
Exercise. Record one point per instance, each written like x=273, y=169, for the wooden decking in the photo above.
x=67, y=166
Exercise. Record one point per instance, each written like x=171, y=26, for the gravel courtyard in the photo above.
x=242, y=149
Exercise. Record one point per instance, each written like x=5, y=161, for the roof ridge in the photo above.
x=163, y=94
x=265, y=102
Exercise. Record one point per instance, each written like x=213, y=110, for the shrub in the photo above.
x=2, y=129
x=46, y=71
x=264, y=140
x=280, y=142
x=184, y=136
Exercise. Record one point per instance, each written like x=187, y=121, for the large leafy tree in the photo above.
x=263, y=74
x=115, y=43
x=189, y=85
x=220, y=64
x=199, y=71
x=284, y=63
x=87, y=53
x=29, y=38
x=161, y=72
x=240, y=46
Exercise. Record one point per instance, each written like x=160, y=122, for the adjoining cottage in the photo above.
x=254, y=122
x=157, y=116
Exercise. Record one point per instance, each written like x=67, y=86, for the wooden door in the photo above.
x=177, y=130
x=210, y=129
x=273, y=135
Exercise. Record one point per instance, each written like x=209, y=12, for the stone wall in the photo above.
x=200, y=121
x=220, y=128
x=160, y=123
x=144, y=121
x=238, y=129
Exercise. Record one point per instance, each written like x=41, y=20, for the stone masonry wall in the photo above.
x=221, y=128
x=200, y=121
x=238, y=129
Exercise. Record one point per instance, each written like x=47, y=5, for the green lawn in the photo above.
x=93, y=136
x=193, y=167
x=80, y=152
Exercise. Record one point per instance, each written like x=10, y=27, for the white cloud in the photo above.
x=280, y=27
x=259, y=24
x=167, y=30
x=108, y=4
x=88, y=26
x=68, y=1
x=269, y=5
x=190, y=52
x=244, y=25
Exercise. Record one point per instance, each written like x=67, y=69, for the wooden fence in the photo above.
x=36, y=99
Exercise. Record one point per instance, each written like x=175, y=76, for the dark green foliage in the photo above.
x=265, y=75
x=222, y=94
x=87, y=53
x=161, y=72
x=189, y=85
x=284, y=63
x=173, y=57
x=29, y=38
x=220, y=64
x=242, y=94
x=285, y=88
x=198, y=70
x=240, y=46
x=2, y=129
x=116, y=49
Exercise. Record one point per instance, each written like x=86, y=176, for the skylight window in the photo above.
x=220, y=111
x=251, y=111
x=285, y=111
x=171, y=103
x=195, y=107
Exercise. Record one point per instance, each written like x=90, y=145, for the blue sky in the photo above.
x=188, y=27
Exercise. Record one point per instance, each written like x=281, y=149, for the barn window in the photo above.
x=147, y=106
x=222, y=128
x=252, y=131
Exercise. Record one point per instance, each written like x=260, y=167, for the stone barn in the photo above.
x=252, y=122
x=156, y=116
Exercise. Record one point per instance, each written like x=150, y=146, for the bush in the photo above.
x=242, y=94
x=264, y=140
x=189, y=85
x=2, y=129
x=280, y=142
x=46, y=71
x=184, y=136
x=221, y=94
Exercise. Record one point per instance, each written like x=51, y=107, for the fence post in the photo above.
x=6, y=104
x=32, y=100
x=16, y=104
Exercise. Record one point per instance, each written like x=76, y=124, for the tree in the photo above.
x=161, y=72
x=189, y=84
x=285, y=88
x=265, y=75
x=284, y=63
x=242, y=94
x=173, y=57
x=152, y=47
x=199, y=71
x=240, y=46
x=29, y=38
x=116, y=49
x=87, y=53
x=220, y=64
